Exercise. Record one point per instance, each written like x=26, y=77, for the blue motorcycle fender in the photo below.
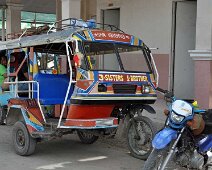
x=205, y=144
x=163, y=138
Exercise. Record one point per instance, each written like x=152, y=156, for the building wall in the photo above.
x=202, y=54
x=204, y=25
x=149, y=20
x=88, y=9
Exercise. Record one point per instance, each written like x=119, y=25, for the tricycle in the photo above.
x=83, y=77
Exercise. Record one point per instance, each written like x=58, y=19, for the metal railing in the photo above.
x=79, y=23
x=14, y=89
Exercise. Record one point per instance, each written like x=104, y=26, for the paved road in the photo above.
x=67, y=153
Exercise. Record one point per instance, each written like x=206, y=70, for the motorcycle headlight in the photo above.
x=176, y=118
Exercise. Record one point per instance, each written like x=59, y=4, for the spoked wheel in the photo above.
x=157, y=158
x=23, y=143
x=86, y=137
x=140, y=132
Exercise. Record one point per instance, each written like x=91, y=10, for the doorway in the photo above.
x=183, y=39
x=111, y=16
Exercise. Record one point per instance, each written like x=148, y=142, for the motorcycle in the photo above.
x=185, y=140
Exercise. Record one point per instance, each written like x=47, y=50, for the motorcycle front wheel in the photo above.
x=140, y=132
x=157, y=158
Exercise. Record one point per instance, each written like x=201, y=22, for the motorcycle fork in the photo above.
x=172, y=150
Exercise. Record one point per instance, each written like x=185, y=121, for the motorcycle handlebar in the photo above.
x=161, y=90
x=167, y=94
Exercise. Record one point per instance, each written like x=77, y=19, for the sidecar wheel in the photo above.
x=140, y=146
x=2, y=115
x=23, y=143
x=86, y=137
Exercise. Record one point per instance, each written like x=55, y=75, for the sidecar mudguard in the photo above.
x=163, y=138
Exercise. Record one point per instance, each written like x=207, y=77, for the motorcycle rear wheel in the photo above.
x=140, y=145
x=86, y=137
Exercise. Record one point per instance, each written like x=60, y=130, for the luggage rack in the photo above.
x=79, y=23
x=70, y=23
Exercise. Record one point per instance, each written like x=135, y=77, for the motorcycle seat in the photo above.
x=207, y=116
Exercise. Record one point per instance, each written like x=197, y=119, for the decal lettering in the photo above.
x=111, y=36
x=136, y=78
x=99, y=35
x=101, y=77
x=122, y=78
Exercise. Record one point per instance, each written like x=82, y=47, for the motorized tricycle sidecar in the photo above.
x=82, y=79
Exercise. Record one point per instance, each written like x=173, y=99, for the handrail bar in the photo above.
x=38, y=92
x=156, y=70
x=69, y=86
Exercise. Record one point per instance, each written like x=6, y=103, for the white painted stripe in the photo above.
x=115, y=98
x=53, y=166
x=92, y=158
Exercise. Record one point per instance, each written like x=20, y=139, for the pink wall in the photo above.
x=162, y=63
x=203, y=83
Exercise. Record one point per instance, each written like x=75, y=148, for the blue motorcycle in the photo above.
x=185, y=140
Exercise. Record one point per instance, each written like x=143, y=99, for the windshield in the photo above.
x=115, y=57
x=133, y=58
x=102, y=56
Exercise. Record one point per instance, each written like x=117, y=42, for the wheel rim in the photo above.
x=141, y=145
x=20, y=138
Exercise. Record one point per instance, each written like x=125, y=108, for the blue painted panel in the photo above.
x=205, y=144
x=163, y=138
x=53, y=88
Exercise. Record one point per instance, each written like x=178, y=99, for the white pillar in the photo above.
x=71, y=9
x=13, y=18
x=3, y=24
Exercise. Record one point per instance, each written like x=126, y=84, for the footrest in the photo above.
x=42, y=134
x=92, y=123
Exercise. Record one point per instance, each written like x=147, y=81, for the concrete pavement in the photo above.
x=68, y=153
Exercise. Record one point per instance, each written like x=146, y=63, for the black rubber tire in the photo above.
x=23, y=143
x=155, y=158
x=2, y=115
x=133, y=143
x=1, y=118
x=86, y=137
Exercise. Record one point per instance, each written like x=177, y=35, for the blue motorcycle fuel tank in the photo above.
x=163, y=138
x=205, y=144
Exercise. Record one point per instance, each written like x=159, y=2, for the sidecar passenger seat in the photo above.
x=53, y=88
